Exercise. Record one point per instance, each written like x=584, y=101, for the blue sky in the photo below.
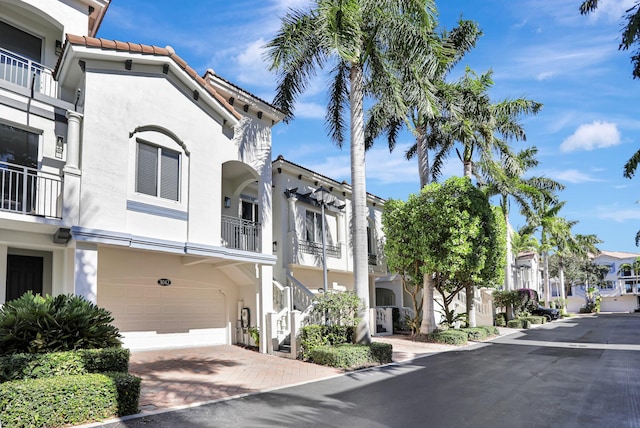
x=542, y=50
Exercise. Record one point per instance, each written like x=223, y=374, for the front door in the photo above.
x=24, y=273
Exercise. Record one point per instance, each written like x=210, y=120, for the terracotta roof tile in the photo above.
x=93, y=42
x=146, y=49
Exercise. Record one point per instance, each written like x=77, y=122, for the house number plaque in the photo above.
x=164, y=282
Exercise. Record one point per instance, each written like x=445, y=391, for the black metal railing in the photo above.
x=30, y=191
x=241, y=234
x=315, y=248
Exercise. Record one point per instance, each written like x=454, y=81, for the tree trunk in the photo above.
x=359, y=202
x=423, y=156
x=547, y=282
x=428, y=315
x=467, y=169
x=471, y=307
x=561, y=277
x=508, y=278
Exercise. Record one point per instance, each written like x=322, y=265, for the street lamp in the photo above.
x=320, y=196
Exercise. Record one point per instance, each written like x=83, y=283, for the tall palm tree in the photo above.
x=375, y=48
x=483, y=129
x=507, y=181
x=544, y=216
x=564, y=243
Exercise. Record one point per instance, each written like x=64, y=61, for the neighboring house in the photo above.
x=527, y=272
x=130, y=180
x=620, y=290
x=297, y=239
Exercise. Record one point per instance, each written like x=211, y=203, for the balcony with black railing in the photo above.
x=30, y=191
x=241, y=234
x=315, y=248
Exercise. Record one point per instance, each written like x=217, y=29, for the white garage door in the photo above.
x=153, y=316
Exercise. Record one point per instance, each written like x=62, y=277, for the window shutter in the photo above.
x=146, y=175
x=170, y=175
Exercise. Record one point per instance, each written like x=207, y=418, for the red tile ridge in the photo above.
x=93, y=42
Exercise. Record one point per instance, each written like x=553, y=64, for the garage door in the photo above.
x=153, y=316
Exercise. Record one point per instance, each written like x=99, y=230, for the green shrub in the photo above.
x=315, y=335
x=475, y=333
x=491, y=330
x=381, y=352
x=340, y=308
x=500, y=320
x=35, y=324
x=449, y=337
x=68, y=400
x=534, y=319
x=82, y=361
x=515, y=323
x=352, y=356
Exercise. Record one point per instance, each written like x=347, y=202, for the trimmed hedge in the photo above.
x=534, y=319
x=64, y=400
x=313, y=336
x=476, y=333
x=82, y=361
x=491, y=330
x=352, y=356
x=449, y=337
x=500, y=320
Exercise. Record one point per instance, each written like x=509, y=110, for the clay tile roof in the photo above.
x=93, y=42
x=146, y=49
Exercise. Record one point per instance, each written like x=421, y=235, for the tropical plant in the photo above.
x=339, y=308
x=630, y=33
x=36, y=324
x=507, y=180
x=632, y=268
x=375, y=48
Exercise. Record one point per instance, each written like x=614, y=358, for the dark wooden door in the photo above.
x=24, y=273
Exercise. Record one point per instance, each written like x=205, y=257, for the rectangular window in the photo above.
x=18, y=146
x=250, y=211
x=158, y=172
x=314, y=227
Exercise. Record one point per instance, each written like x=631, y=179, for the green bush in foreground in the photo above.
x=352, y=356
x=534, y=319
x=82, y=361
x=68, y=400
x=476, y=333
x=313, y=336
x=449, y=337
x=34, y=324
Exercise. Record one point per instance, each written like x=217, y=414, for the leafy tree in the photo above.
x=405, y=250
x=630, y=33
x=449, y=234
x=375, y=48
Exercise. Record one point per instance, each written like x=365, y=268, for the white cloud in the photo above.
x=545, y=75
x=592, y=136
x=612, y=10
x=618, y=215
x=571, y=176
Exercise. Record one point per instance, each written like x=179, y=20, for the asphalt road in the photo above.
x=582, y=372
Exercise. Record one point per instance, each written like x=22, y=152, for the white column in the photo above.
x=74, y=120
x=72, y=173
x=86, y=271
x=290, y=252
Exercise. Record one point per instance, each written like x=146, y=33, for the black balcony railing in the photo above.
x=30, y=191
x=241, y=234
x=315, y=248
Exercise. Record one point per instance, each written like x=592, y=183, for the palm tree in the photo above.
x=544, y=216
x=373, y=47
x=483, y=129
x=565, y=244
x=507, y=181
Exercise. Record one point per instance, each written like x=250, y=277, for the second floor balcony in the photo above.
x=29, y=74
x=30, y=191
x=241, y=234
x=315, y=248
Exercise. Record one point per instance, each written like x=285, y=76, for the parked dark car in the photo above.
x=548, y=313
